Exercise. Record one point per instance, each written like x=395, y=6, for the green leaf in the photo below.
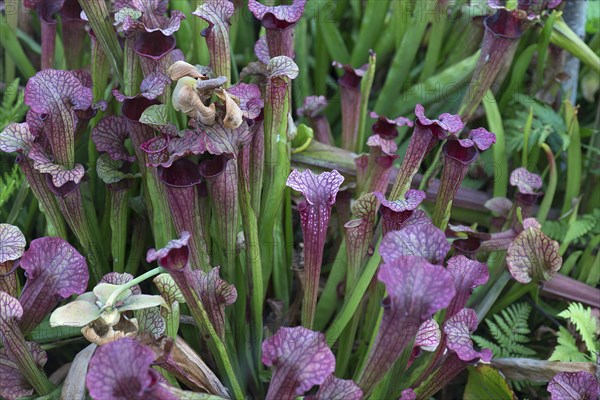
x=109, y=170
x=564, y=37
x=76, y=313
x=303, y=138
x=155, y=115
x=44, y=333
x=495, y=123
x=485, y=382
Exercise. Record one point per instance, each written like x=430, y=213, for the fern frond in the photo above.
x=509, y=332
x=9, y=184
x=12, y=108
x=584, y=322
x=579, y=228
x=566, y=350
x=483, y=343
x=555, y=229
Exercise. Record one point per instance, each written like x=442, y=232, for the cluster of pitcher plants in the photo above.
x=196, y=248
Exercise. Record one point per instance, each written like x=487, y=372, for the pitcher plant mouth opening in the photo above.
x=504, y=24
x=455, y=151
x=182, y=173
x=133, y=108
x=154, y=45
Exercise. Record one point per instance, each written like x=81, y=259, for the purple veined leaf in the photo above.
x=300, y=359
x=215, y=294
x=337, y=389
x=16, y=138
x=533, y=256
x=193, y=142
x=408, y=394
x=222, y=140
x=428, y=336
x=312, y=106
x=156, y=7
x=14, y=385
x=411, y=201
x=59, y=174
x=445, y=126
x=154, y=85
x=418, y=217
x=458, y=330
x=18, y=358
x=150, y=321
x=574, y=386
x=110, y=134
x=277, y=17
x=416, y=290
x=55, y=271
x=174, y=256
x=261, y=50
x=319, y=192
x=526, y=182
x=217, y=13
x=388, y=128
x=425, y=241
x=56, y=95
x=168, y=289
x=396, y=213
x=251, y=102
x=279, y=22
x=480, y=138
x=166, y=26
x=121, y=370
x=12, y=243
x=282, y=66
x=468, y=275
x=387, y=146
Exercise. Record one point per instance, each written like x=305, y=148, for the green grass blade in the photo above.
x=494, y=120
